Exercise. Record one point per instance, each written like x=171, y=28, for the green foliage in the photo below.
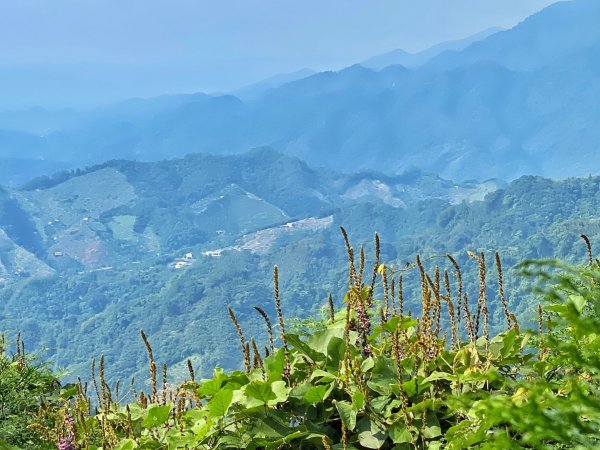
x=25, y=387
x=77, y=309
x=373, y=377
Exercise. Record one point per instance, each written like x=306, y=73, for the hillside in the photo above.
x=166, y=246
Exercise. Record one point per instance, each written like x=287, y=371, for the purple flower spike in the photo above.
x=66, y=443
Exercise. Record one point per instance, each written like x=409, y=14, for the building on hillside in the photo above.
x=181, y=264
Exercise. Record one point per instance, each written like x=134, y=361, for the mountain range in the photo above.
x=89, y=257
x=519, y=101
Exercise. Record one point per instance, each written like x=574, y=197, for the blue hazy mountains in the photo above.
x=414, y=60
x=520, y=101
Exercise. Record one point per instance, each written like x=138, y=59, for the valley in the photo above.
x=167, y=246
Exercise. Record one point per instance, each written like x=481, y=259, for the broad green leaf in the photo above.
x=269, y=426
x=195, y=415
x=379, y=403
x=395, y=324
x=274, y=365
x=372, y=431
x=148, y=442
x=136, y=411
x=383, y=375
x=358, y=401
x=435, y=376
x=281, y=392
x=399, y=433
x=336, y=351
x=296, y=342
x=560, y=309
x=347, y=414
x=180, y=440
x=219, y=404
x=68, y=391
x=509, y=341
x=124, y=444
x=316, y=394
x=319, y=341
x=578, y=301
x=367, y=365
x=369, y=439
x=432, y=427
x=260, y=390
x=300, y=390
x=156, y=415
x=210, y=387
x=323, y=376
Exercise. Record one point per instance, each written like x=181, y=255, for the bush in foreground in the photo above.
x=376, y=376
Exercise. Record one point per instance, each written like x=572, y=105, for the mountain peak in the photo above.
x=541, y=39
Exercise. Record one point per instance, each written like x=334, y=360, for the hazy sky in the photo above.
x=199, y=45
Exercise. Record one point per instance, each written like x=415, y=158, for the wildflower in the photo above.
x=66, y=443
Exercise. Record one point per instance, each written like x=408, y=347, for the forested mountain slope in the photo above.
x=91, y=257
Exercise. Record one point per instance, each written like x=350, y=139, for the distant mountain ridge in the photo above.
x=83, y=214
x=414, y=60
x=520, y=101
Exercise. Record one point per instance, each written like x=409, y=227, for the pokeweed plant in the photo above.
x=375, y=375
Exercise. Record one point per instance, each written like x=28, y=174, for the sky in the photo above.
x=78, y=52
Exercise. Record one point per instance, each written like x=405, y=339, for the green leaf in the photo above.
x=367, y=365
x=157, y=415
x=261, y=391
x=358, y=401
x=136, y=411
x=432, y=427
x=578, y=302
x=395, y=324
x=300, y=390
x=281, y=392
x=323, y=376
x=219, y=404
x=347, y=414
x=399, y=433
x=274, y=365
x=336, y=351
x=435, y=376
x=210, y=387
x=379, y=403
x=369, y=439
x=124, y=444
x=509, y=341
x=383, y=375
x=68, y=391
x=147, y=442
x=371, y=434
x=316, y=394
x=178, y=440
x=319, y=341
x=297, y=343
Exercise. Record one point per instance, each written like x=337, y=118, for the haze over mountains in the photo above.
x=414, y=60
x=520, y=101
